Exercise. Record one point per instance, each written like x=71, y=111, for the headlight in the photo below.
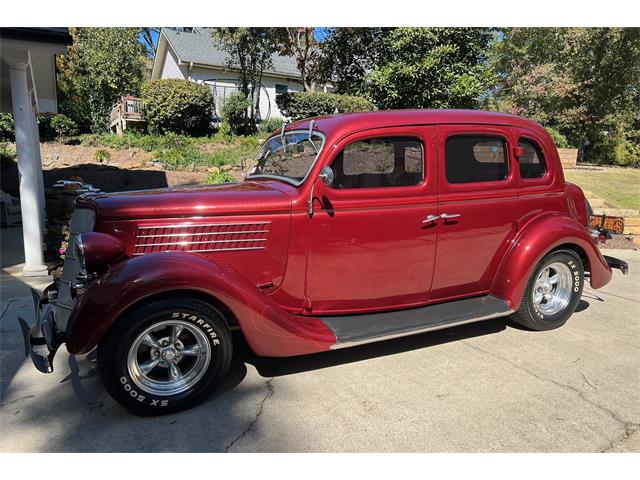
x=96, y=252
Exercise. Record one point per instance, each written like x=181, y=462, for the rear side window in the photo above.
x=532, y=163
x=379, y=162
x=476, y=158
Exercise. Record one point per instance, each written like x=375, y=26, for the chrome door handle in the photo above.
x=447, y=216
x=431, y=218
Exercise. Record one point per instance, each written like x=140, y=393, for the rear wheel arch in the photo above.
x=577, y=249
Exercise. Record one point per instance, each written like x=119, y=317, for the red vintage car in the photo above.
x=347, y=229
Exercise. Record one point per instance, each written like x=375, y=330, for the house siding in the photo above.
x=171, y=69
x=227, y=80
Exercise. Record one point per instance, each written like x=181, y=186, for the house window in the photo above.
x=532, y=164
x=379, y=162
x=280, y=89
x=476, y=158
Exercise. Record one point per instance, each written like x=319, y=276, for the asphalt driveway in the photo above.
x=485, y=387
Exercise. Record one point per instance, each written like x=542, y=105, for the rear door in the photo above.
x=478, y=205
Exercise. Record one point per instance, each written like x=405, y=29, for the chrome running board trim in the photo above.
x=353, y=330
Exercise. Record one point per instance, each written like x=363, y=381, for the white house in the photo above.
x=28, y=87
x=192, y=54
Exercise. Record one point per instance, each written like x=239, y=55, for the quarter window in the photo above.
x=532, y=163
x=379, y=162
x=476, y=158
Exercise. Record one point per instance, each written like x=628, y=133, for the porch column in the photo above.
x=40, y=175
x=28, y=165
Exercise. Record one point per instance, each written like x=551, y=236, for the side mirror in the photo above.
x=326, y=175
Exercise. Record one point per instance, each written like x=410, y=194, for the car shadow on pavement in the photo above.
x=274, y=367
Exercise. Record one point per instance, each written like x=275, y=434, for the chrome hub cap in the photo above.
x=168, y=358
x=552, y=289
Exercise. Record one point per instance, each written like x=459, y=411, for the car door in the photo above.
x=370, y=246
x=477, y=205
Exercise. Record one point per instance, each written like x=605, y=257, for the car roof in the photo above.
x=345, y=123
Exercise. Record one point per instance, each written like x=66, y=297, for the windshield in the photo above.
x=289, y=158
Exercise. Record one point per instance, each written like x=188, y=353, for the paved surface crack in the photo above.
x=26, y=397
x=253, y=423
x=628, y=427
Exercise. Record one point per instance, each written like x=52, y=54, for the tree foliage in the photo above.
x=431, y=68
x=584, y=82
x=349, y=54
x=178, y=106
x=249, y=50
x=300, y=43
x=102, y=65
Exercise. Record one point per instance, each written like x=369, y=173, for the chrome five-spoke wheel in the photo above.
x=168, y=358
x=552, y=288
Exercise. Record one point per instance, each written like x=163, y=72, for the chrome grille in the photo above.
x=207, y=237
x=83, y=220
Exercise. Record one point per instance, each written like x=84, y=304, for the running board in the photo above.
x=352, y=330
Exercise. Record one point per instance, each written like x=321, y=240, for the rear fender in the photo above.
x=268, y=329
x=538, y=238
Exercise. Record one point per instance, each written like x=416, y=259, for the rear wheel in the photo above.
x=165, y=356
x=552, y=293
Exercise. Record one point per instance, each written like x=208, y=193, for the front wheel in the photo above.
x=165, y=356
x=552, y=293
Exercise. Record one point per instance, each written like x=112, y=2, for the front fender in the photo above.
x=268, y=329
x=536, y=239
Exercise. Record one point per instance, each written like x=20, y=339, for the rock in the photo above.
x=213, y=169
x=227, y=168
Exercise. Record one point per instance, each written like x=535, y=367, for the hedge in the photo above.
x=298, y=105
x=178, y=106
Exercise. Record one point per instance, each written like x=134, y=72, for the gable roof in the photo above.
x=200, y=48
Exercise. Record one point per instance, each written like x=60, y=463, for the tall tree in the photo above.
x=583, y=81
x=349, y=54
x=300, y=42
x=102, y=65
x=431, y=68
x=249, y=50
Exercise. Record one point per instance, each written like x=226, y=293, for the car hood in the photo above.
x=202, y=200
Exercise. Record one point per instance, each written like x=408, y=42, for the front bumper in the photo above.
x=41, y=340
x=617, y=263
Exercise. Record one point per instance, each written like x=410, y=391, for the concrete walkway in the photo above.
x=488, y=387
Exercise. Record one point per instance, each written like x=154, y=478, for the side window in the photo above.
x=532, y=163
x=476, y=158
x=379, y=162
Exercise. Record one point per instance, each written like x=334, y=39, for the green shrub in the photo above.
x=298, y=105
x=7, y=128
x=7, y=154
x=224, y=133
x=63, y=126
x=102, y=155
x=559, y=139
x=220, y=177
x=270, y=126
x=178, y=106
x=234, y=112
x=180, y=157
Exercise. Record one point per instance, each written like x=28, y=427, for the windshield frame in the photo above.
x=290, y=180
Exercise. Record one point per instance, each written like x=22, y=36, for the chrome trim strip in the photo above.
x=198, y=243
x=354, y=343
x=200, y=251
x=201, y=234
x=188, y=225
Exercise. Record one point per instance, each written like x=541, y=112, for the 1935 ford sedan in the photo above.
x=348, y=229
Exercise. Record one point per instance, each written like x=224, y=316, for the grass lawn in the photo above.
x=618, y=187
